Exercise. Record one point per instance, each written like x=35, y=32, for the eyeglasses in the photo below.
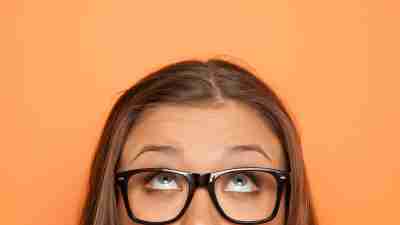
x=244, y=195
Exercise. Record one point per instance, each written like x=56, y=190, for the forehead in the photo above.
x=201, y=129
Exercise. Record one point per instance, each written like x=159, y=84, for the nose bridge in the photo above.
x=201, y=210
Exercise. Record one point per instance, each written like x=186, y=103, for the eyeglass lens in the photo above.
x=246, y=196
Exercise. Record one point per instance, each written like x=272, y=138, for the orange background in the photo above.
x=335, y=63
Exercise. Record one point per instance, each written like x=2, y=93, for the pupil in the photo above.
x=164, y=180
x=240, y=181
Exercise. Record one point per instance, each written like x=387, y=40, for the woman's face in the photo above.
x=202, y=138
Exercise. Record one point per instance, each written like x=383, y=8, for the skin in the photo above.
x=201, y=135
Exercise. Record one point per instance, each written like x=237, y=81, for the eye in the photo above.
x=241, y=183
x=163, y=181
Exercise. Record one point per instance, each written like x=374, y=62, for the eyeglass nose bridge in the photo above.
x=201, y=180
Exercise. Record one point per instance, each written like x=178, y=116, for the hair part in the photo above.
x=193, y=83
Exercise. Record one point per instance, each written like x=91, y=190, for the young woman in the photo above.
x=199, y=143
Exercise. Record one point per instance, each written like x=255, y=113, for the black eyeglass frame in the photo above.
x=196, y=180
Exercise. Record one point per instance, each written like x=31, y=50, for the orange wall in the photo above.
x=336, y=64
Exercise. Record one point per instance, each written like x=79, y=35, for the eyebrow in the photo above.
x=169, y=149
x=252, y=148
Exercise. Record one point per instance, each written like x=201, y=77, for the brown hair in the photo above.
x=192, y=82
